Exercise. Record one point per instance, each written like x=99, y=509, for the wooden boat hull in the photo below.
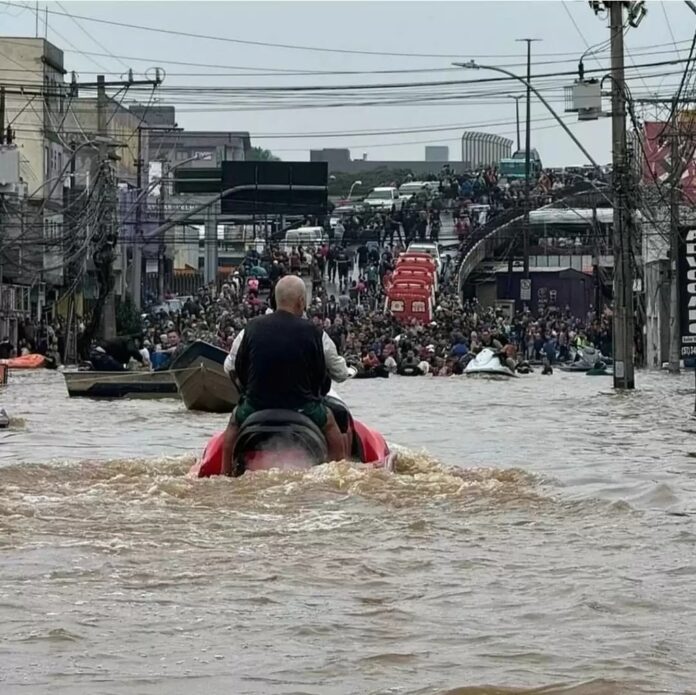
x=201, y=379
x=90, y=384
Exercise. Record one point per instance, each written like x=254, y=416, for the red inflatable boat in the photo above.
x=288, y=440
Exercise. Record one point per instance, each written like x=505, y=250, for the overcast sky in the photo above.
x=485, y=31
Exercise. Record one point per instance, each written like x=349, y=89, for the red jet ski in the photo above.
x=287, y=439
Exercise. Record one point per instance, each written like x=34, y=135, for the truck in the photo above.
x=513, y=167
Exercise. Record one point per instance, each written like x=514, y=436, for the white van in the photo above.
x=303, y=236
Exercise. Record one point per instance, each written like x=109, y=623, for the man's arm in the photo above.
x=335, y=364
x=232, y=357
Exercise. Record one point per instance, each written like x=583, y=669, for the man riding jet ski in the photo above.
x=281, y=362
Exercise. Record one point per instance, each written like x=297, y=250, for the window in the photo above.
x=397, y=305
x=418, y=307
x=47, y=162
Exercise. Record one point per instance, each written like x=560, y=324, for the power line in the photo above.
x=264, y=44
x=89, y=36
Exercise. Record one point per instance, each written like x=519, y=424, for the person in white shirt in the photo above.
x=336, y=365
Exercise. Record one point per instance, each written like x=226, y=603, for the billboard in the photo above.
x=286, y=199
x=687, y=292
x=657, y=162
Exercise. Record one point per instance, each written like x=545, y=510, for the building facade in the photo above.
x=481, y=150
x=31, y=69
x=339, y=161
x=437, y=153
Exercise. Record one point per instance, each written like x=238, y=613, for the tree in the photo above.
x=128, y=321
x=258, y=154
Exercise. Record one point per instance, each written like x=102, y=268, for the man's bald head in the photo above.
x=291, y=295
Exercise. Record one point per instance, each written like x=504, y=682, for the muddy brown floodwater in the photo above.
x=538, y=537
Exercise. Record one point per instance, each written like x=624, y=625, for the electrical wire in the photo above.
x=90, y=36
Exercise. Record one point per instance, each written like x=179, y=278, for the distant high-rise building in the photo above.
x=484, y=149
x=437, y=153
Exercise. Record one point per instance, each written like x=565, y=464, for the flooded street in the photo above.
x=539, y=537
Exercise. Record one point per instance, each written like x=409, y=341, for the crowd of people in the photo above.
x=348, y=293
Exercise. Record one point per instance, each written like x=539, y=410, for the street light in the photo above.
x=355, y=183
x=517, y=117
x=473, y=65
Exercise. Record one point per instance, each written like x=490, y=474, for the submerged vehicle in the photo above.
x=286, y=439
x=487, y=363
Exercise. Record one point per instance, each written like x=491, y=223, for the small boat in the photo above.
x=201, y=379
x=129, y=384
x=32, y=361
x=487, y=363
x=4, y=419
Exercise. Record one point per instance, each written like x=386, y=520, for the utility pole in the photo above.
x=106, y=230
x=137, y=238
x=527, y=159
x=160, y=242
x=104, y=312
x=623, y=272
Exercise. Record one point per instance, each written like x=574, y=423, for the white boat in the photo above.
x=487, y=363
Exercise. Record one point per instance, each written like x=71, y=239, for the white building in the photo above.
x=484, y=149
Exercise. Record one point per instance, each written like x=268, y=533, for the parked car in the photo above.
x=410, y=188
x=304, y=236
x=386, y=199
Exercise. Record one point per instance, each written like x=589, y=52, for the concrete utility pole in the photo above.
x=104, y=315
x=160, y=242
x=527, y=158
x=106, y=218
x=623, y=271
x=137, y=236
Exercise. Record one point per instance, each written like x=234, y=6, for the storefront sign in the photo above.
x=687, y=292
x=525, y=290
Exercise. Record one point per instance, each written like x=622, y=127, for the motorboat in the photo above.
x=286, y=439
x=487, y=363
x=125, y=384
x=201, y=379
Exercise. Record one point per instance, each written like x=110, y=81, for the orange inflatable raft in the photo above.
x=25, y=362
